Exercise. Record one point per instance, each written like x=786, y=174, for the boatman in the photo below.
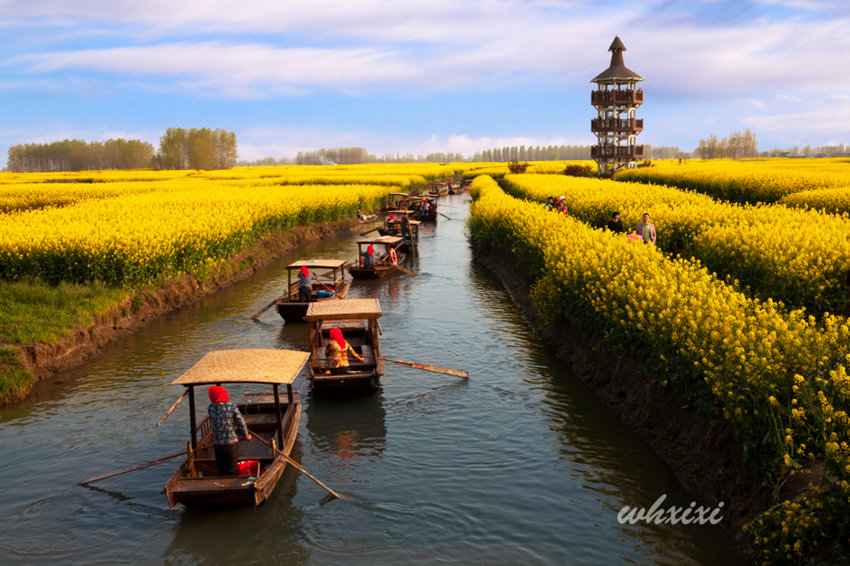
x=369, y=257
x=305, y=289
x=225, y=418
x=405, y=227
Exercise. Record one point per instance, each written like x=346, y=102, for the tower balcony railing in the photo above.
x=630, y=125
x=614, y=97
x=616, y=152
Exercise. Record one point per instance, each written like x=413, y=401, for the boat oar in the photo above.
x=427, y=367
x=174, y=406
x=294, y=464
x=443, y=215
x=404, y=269
x=264, y=309
x=370, y=231
x=132, y=468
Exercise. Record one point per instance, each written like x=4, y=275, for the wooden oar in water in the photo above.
x=370, y=231
x=174, y=406
x=443, y=215
x=404, y=269
x=132, y=468
x=427, y=367
x=295, y=464
x=257, y=314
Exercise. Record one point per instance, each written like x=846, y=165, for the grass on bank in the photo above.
x=32, y=312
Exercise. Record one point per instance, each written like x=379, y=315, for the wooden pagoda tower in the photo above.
x=616, y=100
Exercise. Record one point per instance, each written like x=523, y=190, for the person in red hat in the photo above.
x=225, y=418
x=338, y=349
x=305, y=289
x=369, y=259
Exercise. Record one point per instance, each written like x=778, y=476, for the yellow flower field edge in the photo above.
x=778, y=378
x=798, y=257
x=141, y=238
x=835, y=201
x=744, y=180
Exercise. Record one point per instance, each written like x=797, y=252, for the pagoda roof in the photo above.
x=617, y=71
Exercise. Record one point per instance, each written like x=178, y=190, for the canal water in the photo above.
x=518, y=465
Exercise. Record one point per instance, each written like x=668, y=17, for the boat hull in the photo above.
x=193, y=488
x=294, y=311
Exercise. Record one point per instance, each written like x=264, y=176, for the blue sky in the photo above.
x=415, y=76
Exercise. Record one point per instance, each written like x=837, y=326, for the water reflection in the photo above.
x=354, y=437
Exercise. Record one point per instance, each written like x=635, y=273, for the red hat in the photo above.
x=370, y=250
x=392, y=217
x=218, y=394
x=304, y=271
x=336, y=334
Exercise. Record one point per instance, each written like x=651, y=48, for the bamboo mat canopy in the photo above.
x=391, y=240
x=342, y=310
x=246, y=366
x=317, y=263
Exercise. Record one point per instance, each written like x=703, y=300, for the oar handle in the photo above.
x=132, y=468
x=171, y=410
x=295, y=464
x=265, y=308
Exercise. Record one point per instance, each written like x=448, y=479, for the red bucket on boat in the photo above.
x=248, y=468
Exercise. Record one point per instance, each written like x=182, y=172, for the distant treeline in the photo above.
x=79, y=155
x=353, y=155
x=179, y=148
x=563, y=152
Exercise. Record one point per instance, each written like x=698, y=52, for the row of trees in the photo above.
x=562, y=152
x=78, y=155
x=196, y=148
x=734, y=146
x=351, y=155
x=839, y=150
x=334, y=156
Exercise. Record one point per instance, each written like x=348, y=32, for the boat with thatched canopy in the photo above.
x=383, y=266
x=330, y=284
x=359, y=321
x=267, y=415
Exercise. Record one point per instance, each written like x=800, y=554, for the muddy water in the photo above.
x=518, y=465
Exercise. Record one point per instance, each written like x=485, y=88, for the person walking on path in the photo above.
x=646, y=230
x=225, y=418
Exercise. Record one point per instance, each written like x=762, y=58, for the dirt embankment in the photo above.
x=82, y=344
x=702, y=452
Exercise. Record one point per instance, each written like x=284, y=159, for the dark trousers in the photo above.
x=225, y=457
x=304, y=294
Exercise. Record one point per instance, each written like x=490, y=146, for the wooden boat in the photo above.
x=196, y=483
x=393, y=228
x=415, y=204
x=358, y=320
x=330, y=286
x=383, y=267
x=395, y=201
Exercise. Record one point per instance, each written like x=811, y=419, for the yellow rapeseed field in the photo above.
x=799, y=257
x=745, y=180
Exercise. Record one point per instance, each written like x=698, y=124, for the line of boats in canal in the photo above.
x=273, y=417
